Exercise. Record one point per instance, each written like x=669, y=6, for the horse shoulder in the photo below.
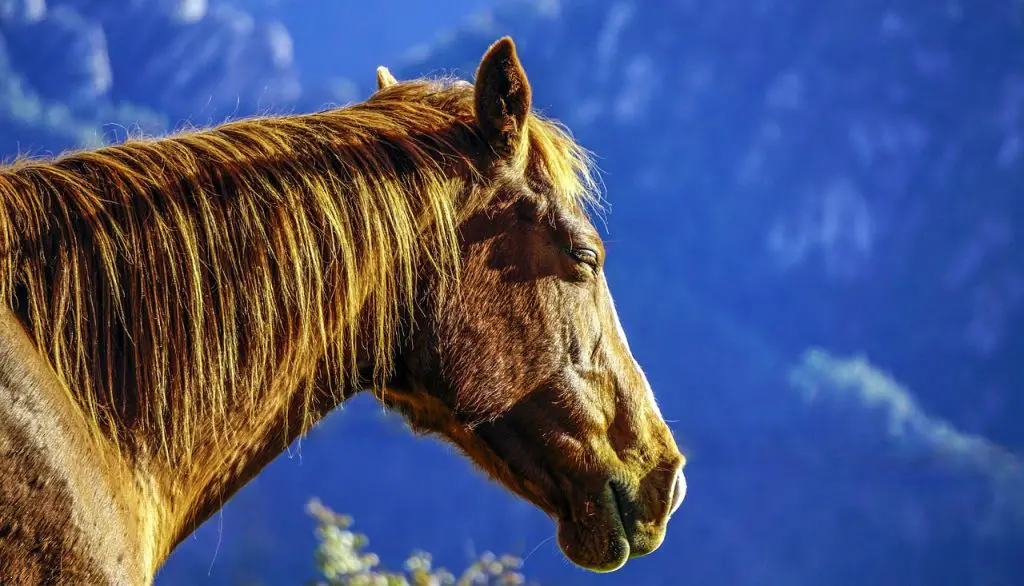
x=62, y=521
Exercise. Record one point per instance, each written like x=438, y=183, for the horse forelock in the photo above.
x=164, y=279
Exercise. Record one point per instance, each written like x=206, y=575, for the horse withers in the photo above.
x=180, y=309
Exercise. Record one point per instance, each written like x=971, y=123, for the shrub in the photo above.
x=342, y=560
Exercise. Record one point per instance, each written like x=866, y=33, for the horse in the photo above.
x=179, y=309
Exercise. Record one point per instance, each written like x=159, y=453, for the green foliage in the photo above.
x=342, y=561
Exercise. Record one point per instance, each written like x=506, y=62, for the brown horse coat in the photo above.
x=178, y=310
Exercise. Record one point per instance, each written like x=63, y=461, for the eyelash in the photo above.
x=584, y=255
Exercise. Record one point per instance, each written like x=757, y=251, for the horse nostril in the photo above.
x=678, y=492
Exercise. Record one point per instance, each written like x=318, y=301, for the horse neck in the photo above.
x=192, y=487
x=184, y=472
x=248, y=444
x=197, y=478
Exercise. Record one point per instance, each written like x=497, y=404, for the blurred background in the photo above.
x=815, y=246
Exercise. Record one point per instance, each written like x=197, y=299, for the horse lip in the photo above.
x=622, y=508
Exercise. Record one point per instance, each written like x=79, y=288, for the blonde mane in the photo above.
x=164, y=279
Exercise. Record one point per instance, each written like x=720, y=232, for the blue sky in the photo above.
x=375, y=32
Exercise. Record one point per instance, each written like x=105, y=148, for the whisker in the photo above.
x=534, y=550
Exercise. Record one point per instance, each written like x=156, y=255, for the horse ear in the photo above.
x=502, y=97
x=384, y=78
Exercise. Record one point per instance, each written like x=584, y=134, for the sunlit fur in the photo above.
x=179, y=310
x=166, y=278
x=162, y=257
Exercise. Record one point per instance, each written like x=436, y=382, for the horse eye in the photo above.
x=585, y=256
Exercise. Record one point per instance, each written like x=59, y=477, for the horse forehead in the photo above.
x=565, y=211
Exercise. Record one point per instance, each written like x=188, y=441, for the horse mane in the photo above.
x=166, y=278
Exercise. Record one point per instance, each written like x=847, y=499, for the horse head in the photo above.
x=525, y=366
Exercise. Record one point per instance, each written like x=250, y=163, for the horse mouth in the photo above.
x=597, y=539
x=624, y=511
x=627, y=513
x=611, y=528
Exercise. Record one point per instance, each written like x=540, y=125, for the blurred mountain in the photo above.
x=814, y=247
